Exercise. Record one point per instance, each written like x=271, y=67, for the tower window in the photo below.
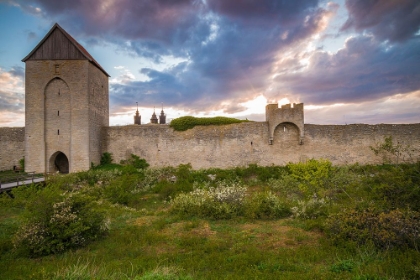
x=58, y=132
x=59, y=92
x=58, y=113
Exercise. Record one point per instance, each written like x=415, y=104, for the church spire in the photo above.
x=154, y=119
x=162, y=117
x=137, y=117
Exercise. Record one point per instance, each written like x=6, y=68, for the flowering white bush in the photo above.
x=221, y=202
x=311, y=209
x=232, y=194
x=229, y=200
x=58, y=222
x=153, y=176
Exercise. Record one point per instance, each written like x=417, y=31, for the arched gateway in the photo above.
x=59, y=163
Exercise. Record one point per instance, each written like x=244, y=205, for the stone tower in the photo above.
x=67, y=104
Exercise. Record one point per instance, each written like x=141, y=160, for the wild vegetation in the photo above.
x=188, y=122
x=307, y=220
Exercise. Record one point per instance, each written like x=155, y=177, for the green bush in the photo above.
x=22, y=163
x=312, y=175
x=120, y=190
x=396, y=228
x=188, y=122
x=266, y=205
x=397, y=186
x=136, y=162
x=54, y=222
x=287, y=185
x=106, y=158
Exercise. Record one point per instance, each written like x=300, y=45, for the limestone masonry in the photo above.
x=67, y=126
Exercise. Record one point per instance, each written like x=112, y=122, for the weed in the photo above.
x=343, y=266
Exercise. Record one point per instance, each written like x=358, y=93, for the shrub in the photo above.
x=266, y=205
x=398, y=186
x=22, y=163
x=120, y=190
x=222, y=202
x=55, y=222
x=261, y=173
x=396, y=228
x=188, y=122
x=106, y=158
x=287, y=186
x=136, y=162
x=311, y=209
x=312, y=175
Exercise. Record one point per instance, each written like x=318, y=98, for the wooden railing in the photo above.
x=25, y=178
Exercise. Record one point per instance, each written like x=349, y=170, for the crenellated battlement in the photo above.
x=288, y=113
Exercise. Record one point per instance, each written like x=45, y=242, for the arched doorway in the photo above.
x=286, y=134
x=59, y=162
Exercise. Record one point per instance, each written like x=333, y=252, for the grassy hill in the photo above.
x=301, y=221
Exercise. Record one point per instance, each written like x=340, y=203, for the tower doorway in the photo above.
x=59, y=163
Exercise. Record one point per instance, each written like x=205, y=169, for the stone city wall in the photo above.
x=12, y=146
x=245, y=143
x=238, y=144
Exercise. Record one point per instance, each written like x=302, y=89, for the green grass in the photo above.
x=188, y=122
x=149, y=241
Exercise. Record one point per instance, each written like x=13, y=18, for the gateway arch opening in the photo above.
x=59, y=162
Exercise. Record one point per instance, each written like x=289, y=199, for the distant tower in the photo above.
x=162, y=117
x=154, y=119
x=137, y=117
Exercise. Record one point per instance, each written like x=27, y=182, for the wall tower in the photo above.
x=67, y=104
x=288, y=113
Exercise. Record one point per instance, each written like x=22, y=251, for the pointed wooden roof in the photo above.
x=58, y=44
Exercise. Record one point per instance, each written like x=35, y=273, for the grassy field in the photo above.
x=300, y=221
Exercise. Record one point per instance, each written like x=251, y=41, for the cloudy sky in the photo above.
x=349, y=61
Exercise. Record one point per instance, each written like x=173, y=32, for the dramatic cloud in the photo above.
x=396, y=20
x=205, y=56
x=395, y=109
x=11, y=94
x=227, y=59
x=365, y=69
